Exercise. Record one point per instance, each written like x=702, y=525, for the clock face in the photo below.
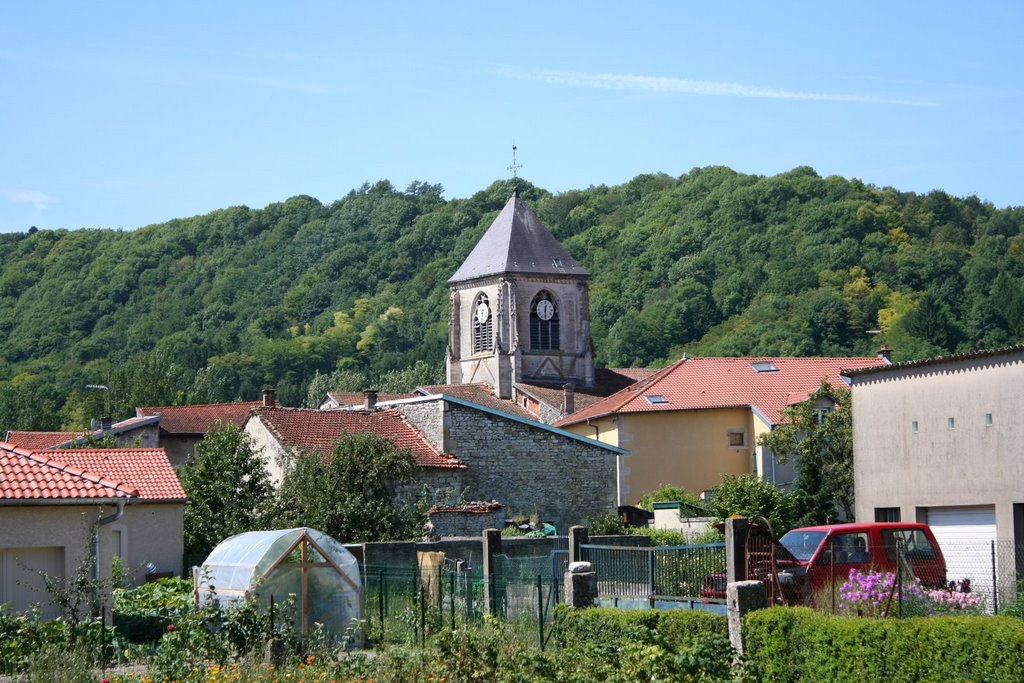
x=545, y=309
x=483, y=312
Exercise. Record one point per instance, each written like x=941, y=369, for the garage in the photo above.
x=965, y=535
x=20, y=583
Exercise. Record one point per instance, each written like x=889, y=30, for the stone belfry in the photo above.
x=519, y=309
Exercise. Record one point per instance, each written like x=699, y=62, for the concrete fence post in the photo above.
x=492, y=547
x=742, y=597
x=578, y=535
x=737, y=529
x=580, y=585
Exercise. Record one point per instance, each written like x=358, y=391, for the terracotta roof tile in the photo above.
x=481, y=394
x=37, y=441
x=358, y=398
x=142, y=473
x=318, y=430
x=147, y=469
x=198, y=419
x=698, y=383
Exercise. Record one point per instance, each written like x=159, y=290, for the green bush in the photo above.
x=797, y=644
x=606, y=525
x=681, y=626
x=604, y=626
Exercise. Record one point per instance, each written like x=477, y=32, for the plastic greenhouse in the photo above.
x=321, y=574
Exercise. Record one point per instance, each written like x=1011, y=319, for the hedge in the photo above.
x=611, y=628
x=790, y=644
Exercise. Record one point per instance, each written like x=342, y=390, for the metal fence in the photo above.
x=667, y=571
x=991, y=569
x=406, y=604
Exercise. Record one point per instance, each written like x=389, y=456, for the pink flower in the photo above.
x=170, y=628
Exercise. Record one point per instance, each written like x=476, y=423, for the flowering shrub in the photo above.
x=952, y=602
x=867, y=594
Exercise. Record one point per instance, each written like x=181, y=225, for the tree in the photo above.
x=751, y=496
x=821, y=438
x=355, y=494
x=228, y=489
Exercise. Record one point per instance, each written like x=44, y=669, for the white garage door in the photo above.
x=20, y=583
x=965, y=535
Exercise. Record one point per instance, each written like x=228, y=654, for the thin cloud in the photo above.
x=696, y=87
x=275, y=83
x=39, y=200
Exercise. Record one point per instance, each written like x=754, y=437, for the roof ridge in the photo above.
x=199, y=405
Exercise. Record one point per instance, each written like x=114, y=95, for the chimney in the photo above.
x=885, y=354
x=269, y=398
x=569, y=403
x=371, y=400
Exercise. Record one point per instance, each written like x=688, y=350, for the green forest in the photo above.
x=714, y=262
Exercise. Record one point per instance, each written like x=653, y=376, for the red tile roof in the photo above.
x=38, y=441
x=143, y=473
x=198, y=419
x=303, y=428
x=147, y=469
x=480, y=394
x=697, y=383
x=358, y=398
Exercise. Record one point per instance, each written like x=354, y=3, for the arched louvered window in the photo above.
x=483, y=326
x=544, y=323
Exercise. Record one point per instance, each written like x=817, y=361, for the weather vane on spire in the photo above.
x=514, y=167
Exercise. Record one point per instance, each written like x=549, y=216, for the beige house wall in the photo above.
x=179, y=449
x=146, y=533
x=964, y=463
x=267, y=447
x=688, y=448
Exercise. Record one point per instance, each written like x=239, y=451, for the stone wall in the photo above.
x=450, y=523
x=532, y=470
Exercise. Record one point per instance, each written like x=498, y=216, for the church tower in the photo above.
x=519, y=309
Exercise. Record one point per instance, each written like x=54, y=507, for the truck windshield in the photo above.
x=802, y=543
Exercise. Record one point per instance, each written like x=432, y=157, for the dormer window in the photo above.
x=483, y=328
x=544, y=326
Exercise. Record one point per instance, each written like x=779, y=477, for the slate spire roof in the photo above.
x=517, y=242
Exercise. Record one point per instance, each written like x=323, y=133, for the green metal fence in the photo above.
x=667, y=571
x=405, y=604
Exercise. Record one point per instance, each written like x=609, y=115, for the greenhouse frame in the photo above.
x=317, y=570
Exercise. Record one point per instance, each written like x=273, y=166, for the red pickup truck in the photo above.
x=809, y=558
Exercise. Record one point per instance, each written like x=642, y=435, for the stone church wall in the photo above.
x=530, y=470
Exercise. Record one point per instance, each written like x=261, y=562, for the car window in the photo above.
x=916, y=545
x=851, y=548
x=802, y=543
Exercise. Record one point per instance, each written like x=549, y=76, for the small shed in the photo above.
x=321, y=574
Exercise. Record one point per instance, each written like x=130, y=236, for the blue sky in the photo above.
x=126, y=114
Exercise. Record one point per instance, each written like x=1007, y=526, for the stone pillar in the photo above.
x=578, y=535
x=492, y=547
x=736, y=531
x=742, y=597
x=580, y=585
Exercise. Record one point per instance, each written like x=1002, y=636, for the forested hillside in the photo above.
x=715, y=262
